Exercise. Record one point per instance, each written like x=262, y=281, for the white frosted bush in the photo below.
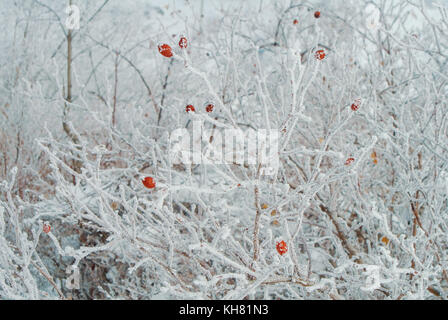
x=360, y=195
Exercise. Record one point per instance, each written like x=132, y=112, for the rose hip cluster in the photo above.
x=166, y=50
x=208, y=108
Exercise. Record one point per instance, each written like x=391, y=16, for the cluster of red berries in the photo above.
x=166, y=51
x=355, y=107
x=316, y=15
x=208, y=108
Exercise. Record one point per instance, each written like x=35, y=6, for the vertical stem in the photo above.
x=68, y=99
x=202, y=15
x=257, y=219
x=257, y=226
x=115, y=91
x=69, y=63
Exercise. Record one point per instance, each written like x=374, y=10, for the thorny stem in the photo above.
x=256, y=240
x=50, y=279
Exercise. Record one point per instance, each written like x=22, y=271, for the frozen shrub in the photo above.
x=98, y=208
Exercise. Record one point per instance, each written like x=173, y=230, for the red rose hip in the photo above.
x=349, y=161
x=320, y=54
x=46, y=228
x=355, y=105
x=165, y=50
x=149, y=183
x=281, y=247
x=183, y=42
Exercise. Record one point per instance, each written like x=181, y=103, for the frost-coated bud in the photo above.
x=373, y=15
x=46, y=228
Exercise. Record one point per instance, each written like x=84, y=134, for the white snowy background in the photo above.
x=373, y=229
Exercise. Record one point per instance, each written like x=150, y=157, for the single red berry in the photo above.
x=189, y=108
x=356, y=104
x=320, y=54
x=295, y=21
x=209, y=107
x=165, y=50
x=46, y=228
x=149, y=183
x=282, y=248
x=349, y=161
x=317, y=14
x=183, y=42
